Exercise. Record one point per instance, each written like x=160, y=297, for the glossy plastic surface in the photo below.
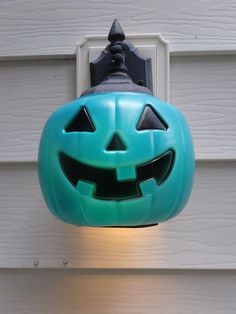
x=161, y=195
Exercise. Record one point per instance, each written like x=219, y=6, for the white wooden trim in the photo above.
x=150, y=45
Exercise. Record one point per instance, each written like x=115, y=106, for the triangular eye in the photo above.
x=150, y=120
x=81, y=122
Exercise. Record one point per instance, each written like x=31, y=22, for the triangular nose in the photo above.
x=116, y=143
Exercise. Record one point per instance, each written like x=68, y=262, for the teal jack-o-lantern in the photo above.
x=117, y=156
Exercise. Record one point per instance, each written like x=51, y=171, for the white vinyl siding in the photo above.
x=186, y=265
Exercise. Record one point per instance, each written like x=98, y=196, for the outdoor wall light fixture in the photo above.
x=117, y=156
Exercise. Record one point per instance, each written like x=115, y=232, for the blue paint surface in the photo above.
x=116, y=113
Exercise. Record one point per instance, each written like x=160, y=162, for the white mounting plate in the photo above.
x=150, y=45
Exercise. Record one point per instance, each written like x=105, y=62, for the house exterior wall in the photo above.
x=186, y=265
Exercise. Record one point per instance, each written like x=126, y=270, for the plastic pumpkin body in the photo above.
x=116, y=159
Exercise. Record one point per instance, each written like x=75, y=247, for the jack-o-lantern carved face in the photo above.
x=116, y=159
x=107, y=186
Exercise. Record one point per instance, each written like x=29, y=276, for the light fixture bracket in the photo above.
x=139, y=67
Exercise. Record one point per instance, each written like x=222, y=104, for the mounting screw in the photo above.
x=36, y=262
x=65, y=261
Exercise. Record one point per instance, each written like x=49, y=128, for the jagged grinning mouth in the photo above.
x=107, y=186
